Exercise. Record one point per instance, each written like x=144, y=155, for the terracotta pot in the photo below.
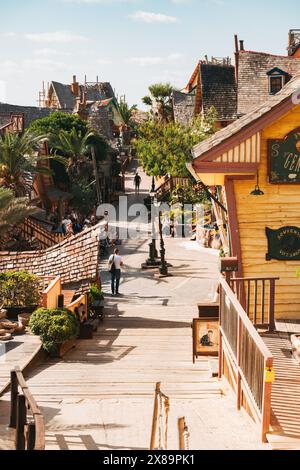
x=23, y=319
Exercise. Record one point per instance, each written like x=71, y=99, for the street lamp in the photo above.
x=180, y=197
x=152, y=261
x=163, y=269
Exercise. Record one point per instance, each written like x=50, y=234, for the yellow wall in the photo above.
x=280, y=206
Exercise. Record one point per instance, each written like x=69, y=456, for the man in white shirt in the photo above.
x=115, y=264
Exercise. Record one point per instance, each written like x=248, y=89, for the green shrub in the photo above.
x=95, y=293
x=19, y=289
x=54, y=326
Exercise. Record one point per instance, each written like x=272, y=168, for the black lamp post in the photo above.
x=152, y=261
x=163, y=270
x=180, y=196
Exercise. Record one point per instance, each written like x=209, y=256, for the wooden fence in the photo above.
x=25, y=416
x=170, y=184
x=245, y=359
x=31, y=229
x=257, y=296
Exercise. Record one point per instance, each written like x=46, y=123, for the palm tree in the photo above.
x=76, y=147
x=19, y=158
x=161, y=98
x=127, y=112
x=13, y=210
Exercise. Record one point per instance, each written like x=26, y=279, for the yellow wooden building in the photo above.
x=256, y=160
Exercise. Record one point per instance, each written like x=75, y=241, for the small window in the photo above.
x=276, y=84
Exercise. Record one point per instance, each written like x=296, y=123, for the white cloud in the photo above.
x=9, y=34
x=150, y=17
x=103, y=61
x=57, y=36
x=148, y=61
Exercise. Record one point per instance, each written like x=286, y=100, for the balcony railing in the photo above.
x=257, y=296
x=245, y=359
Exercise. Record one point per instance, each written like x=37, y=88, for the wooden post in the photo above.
x=13, y=399
x=155, y=416
x=239, y=378
x=98, y=189
x=272, y=326
x=220, y=357
x=31, y=436
x=21, y=421
x=266, y=410
x=181, y=428
x=194, y=341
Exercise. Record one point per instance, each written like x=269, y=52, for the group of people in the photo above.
x=72, y=223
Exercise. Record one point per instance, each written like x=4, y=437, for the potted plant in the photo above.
x=57, y=328
x=96, y=298
x=19, y=292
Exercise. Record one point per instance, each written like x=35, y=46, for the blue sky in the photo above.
x=131, y=43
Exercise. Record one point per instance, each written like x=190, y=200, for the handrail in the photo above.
x=47, y=239
x=30, y=434
x=52, y=284
x=245, y=319
x=257, y=296
x=51, y=293
x=249, y=361
x=80, y=303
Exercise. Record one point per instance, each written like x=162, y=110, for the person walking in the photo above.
x=137, y=183
x=115, y=264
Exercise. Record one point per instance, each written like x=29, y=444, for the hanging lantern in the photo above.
x=257, y=191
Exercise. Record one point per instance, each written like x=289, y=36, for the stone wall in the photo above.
x=31, y=112
x=75, y=259
x=184, y=107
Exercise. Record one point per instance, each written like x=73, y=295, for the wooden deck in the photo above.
x=100, y=396
x=286, y=389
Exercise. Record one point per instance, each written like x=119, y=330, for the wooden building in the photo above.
x=255, y=165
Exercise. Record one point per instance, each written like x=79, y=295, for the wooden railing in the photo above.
x=25, y=416
x=170, y=184
x=47, y=239
x=257, y=296
x=245, y=359
x=15, y=125
x=51, y=293
x=80, y=307
x=184, y=434
x=160, y=420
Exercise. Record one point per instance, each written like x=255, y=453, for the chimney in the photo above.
x=242, y=45
x=75, y=86
x=236, y=54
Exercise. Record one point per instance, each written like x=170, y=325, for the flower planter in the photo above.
x=97, y=309
x=14, y=312
x=61, y=349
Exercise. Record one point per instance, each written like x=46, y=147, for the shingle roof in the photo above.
x=272, y=102
x=64, y=95
x=95, y=92
x=253, y=84
x=219, y=90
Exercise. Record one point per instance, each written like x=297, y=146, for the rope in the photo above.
x=167, y=409
x=160, y=424
x=186, y=436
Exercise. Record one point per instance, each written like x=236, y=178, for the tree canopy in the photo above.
x=160, y=98
x=58, y=121
x=165, y=148
x=13, y=210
